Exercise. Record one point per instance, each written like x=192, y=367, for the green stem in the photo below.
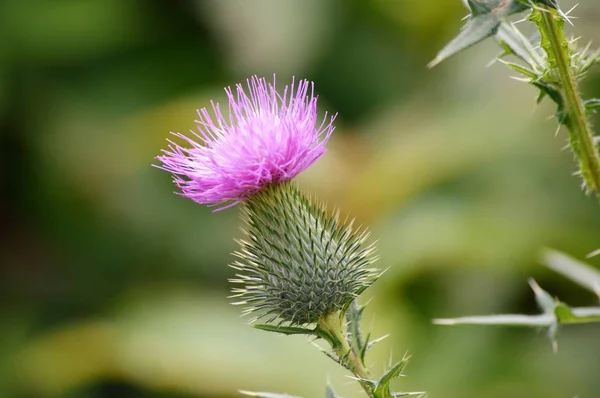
x=581, y=135
x=334, y=326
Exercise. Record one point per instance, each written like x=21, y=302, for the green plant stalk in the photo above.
x=581, y=136
x=335, y=327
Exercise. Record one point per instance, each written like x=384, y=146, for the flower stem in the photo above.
x=335, y=326
x=581, y=136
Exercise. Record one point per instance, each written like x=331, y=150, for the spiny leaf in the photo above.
x=486, y=17
x=476, y=30
x=515, y=43
x=550, y=90
x=394, y=371
x=353, y=316
x=383, y=386
x=522, y=70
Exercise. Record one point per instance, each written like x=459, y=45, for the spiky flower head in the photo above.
x=298, y=264
x=265, y=138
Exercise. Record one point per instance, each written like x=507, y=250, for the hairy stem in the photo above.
x=581, y=135
x=335, y=326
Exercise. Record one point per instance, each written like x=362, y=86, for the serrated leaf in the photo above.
x=545, y=41
x=266, y=394
x=575, y=270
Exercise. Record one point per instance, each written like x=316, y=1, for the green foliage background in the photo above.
x=111, y=286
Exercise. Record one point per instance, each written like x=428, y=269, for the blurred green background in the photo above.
x=112, y=286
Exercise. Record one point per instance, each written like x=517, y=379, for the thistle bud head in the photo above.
x=298, y=264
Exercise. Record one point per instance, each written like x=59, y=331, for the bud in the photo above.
x=298, y=264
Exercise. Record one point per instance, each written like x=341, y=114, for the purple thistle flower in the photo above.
x=266, y=138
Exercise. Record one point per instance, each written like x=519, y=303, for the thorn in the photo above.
x=492, y=62
x=435, y=62
x=572, y=8
x=534, y=286
x=595, y=252
x=443, y=321
x=597, y=290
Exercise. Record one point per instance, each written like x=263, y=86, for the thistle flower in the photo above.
x=299, y=264
x=266, y=138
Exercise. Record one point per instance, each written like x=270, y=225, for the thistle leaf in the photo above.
x=476, y=30
x=393, y=372
x=353, y=316
x=382, y=389
x=486, y=17
x=515, y=43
